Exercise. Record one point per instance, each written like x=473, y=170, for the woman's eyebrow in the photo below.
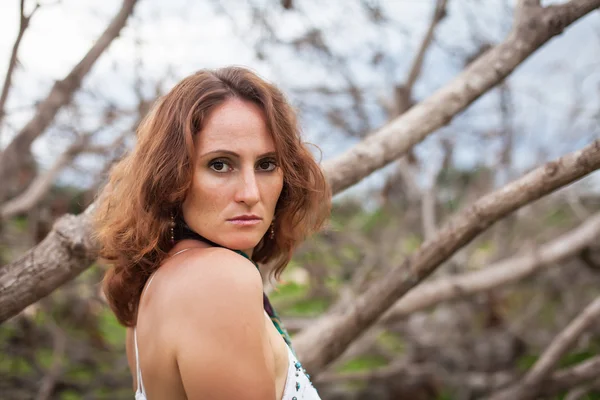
x=234, y=154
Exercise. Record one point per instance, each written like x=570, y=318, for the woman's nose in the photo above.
x=248, y=189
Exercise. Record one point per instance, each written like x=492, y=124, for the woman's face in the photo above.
x=236, y=181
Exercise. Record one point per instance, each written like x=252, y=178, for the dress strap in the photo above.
x=180, y=251
x=138, y=369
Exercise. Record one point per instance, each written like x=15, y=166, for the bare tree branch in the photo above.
x=42, y=183
x=428, y=213
x=438, y=14
x=67, y=251
x=579, y=393
x=12, y=157
x=498, y=274
x=529, y=386
x=528, y=3
x=331, y=335
x=429, y=195
x=569, y=377
x=401, y=134
x=23, y=25
x=559, y=381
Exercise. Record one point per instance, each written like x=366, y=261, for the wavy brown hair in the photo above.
x=145, y=188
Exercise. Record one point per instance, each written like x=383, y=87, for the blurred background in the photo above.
x=349, y=67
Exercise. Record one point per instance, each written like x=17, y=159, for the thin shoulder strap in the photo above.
x=138, y=369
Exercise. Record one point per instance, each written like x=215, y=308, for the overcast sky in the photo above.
x=186, y=35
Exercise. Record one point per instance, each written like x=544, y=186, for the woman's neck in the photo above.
x=184, y=232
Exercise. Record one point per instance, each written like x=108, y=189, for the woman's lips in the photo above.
x=245, y=222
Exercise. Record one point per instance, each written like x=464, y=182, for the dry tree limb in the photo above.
x=40, y=186
x=399, y=370
x=533, y=28
x=67, y=251
x=573, y=376
x=13, y=156
x=478, y=382
x=402, y=101
x=43, y=182
x=578, y=393
x=24, y=21
x=404, y=92
x=331, y=335
x=429, y=201
x=529, y=386
x=497, y=274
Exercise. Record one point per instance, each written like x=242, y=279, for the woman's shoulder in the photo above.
x=209, y=275
x=212, y=262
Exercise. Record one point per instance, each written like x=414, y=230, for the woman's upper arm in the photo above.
x=218, y=330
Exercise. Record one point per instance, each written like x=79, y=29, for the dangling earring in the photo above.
x=172, y=229
x=272, y=231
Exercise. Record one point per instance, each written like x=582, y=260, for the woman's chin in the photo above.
x=242, y=243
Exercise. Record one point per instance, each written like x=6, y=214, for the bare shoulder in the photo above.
x=213, y=285
x=203, y=274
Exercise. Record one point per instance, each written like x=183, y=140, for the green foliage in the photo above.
x=444, y=396
x=371, y=221
x=570, y=359
x=349, y=253
x=411, y=243
x=291, y=299
x=6, y=332
x=391, y=342
x=287, y=292
x=577, y=357
x=486, y=246
x=44, y=357
x=69, y=395
x=526, y=361
x=333, y=283
x=307, y=308
x=19, y=366
x=557, y=217
x=79, y=373
x=19, y=223
x=111, y=330
x=363, y=363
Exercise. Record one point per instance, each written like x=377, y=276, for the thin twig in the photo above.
x=530, y=385
x=23, y=25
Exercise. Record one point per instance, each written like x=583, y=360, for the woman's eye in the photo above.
x=219, y=166
x=267, y=165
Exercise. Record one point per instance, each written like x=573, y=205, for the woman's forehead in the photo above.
x=237, y=126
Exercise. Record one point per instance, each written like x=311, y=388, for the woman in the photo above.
x=219, y=181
